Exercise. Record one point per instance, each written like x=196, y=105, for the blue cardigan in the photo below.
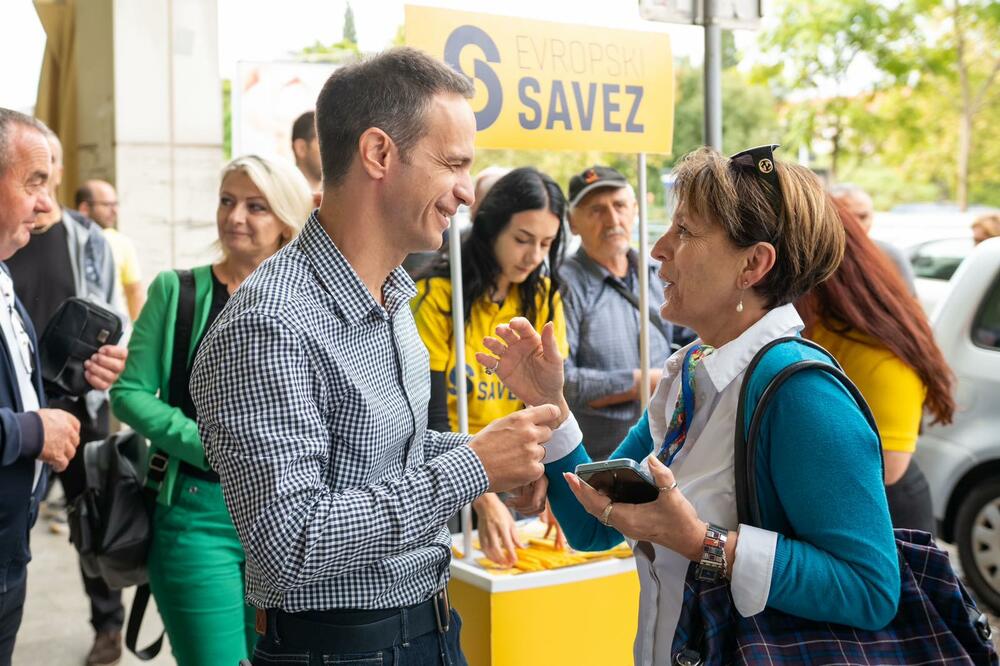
x=819, y=472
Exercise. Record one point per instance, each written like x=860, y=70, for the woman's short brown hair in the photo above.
x=807, y=234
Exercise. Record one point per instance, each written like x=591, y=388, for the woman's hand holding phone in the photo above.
x=670, y=520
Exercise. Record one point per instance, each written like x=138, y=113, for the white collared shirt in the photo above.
x=20, y=352
x=704, y=473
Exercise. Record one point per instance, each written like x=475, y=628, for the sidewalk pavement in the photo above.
x=56, y=628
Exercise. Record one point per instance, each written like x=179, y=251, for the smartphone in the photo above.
x=622, y=480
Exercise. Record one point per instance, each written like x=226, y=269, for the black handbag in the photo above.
x=108, y=522
x=76, y=331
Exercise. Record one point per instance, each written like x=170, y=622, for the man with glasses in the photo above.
x=66, y=255
x=98, y=200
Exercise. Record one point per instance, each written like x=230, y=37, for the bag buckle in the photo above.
x=442, y=610
x=982, y=625
x=158, y=463
x=688, y=657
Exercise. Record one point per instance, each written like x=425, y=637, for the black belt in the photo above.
x=338, y=632
x=198, y=473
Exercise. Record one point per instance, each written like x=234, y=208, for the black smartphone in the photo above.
x=622, y=480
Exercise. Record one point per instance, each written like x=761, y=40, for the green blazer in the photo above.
x=139, y=396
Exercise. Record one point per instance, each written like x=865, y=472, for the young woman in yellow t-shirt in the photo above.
x=865, y=316
x=509, y=264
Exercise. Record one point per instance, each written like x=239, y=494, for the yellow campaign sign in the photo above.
x=542, y=85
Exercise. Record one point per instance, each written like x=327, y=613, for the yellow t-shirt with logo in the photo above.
x=488, y=398
x=891, y=388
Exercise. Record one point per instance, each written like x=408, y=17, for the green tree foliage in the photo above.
x=929, y=103
x=818, y=49
x=342, y=52
x=350, y=34
x=227, y=119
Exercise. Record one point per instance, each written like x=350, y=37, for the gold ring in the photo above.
x=606, y=514
x=665, y=489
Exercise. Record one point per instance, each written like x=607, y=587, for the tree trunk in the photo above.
x=964, y=153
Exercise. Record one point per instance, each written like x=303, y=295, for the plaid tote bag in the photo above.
x=937, y=622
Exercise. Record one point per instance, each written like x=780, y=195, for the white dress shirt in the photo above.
x=20, y=350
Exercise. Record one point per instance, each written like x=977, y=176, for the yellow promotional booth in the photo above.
x=551, y=86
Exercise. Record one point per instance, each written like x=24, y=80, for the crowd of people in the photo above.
x=308, y=436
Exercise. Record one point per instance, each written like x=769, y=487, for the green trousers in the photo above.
x=196, y=566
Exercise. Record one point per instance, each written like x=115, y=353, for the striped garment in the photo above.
x=312, y=406
x=934, y=623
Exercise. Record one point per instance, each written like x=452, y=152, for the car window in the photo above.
x=938, y=260
x=986, y=327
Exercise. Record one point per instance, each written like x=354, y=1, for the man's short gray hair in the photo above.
x=10, y=120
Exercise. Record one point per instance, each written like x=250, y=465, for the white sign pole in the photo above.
x=643, y=286
x=458, y=333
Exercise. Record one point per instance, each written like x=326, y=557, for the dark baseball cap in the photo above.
x=591, y=179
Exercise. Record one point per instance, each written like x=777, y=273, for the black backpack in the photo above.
x=108, y=522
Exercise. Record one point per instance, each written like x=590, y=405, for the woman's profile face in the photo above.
x=700, y=268
x=524, y=243
x=247, y=226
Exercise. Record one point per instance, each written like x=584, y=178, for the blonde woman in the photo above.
x=196, y=562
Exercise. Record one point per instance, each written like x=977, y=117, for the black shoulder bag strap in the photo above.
x=744, y=467
x=744, y=454
x=634, y=300
x=183, y=330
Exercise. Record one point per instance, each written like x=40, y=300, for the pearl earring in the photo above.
x=739, y=306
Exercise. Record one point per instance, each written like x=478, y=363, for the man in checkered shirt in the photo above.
x=312, y=388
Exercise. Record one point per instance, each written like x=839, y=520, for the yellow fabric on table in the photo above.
x=892, y=389
x=488, y=398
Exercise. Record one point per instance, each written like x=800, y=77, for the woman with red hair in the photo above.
x=865, y=316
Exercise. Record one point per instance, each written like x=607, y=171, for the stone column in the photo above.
x=150, y=121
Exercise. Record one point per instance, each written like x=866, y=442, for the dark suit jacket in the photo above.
x=21, y=438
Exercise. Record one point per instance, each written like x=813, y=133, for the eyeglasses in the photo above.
x=761, y=160
x=109, y=204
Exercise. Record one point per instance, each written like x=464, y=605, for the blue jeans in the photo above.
x=431, y=649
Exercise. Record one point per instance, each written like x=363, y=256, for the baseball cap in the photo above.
x=591, y=179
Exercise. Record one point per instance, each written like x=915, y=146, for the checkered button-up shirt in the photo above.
x=312, y=404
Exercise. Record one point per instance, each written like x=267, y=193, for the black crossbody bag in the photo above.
x=76, y=331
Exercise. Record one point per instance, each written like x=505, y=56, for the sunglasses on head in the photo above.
x=761, y=161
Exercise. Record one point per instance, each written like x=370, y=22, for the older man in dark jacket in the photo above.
x=32, y=438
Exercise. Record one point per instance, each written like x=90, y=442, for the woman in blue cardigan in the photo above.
x=750, y=235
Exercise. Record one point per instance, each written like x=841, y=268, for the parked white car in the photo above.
x=934, y=262
x=962, y=461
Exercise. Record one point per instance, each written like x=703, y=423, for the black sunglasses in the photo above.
x=761, y=160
